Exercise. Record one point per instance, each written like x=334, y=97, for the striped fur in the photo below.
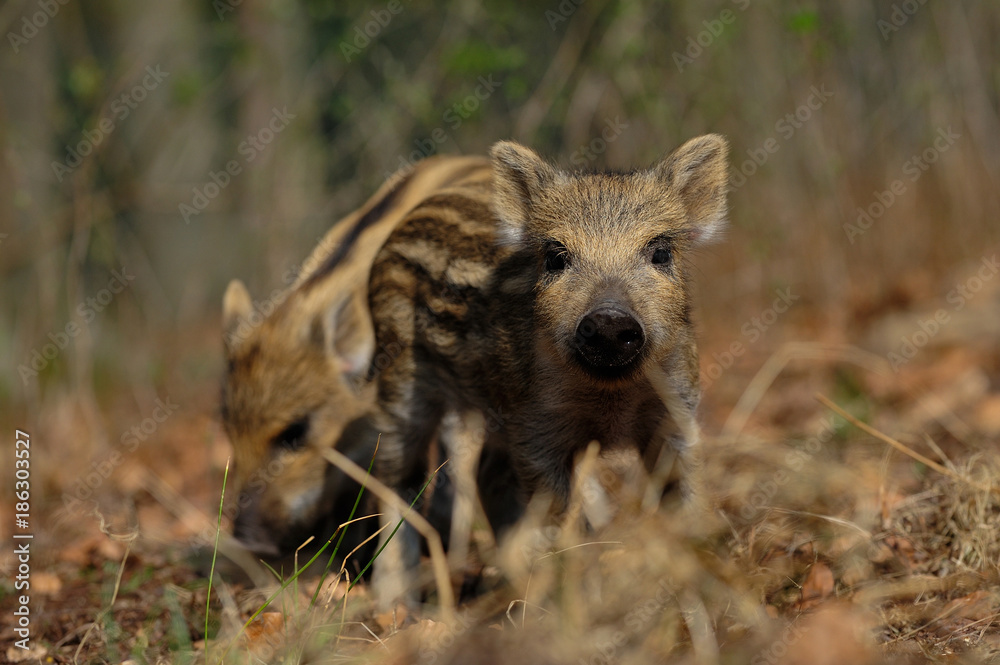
x=295, y=370
x=484, y=289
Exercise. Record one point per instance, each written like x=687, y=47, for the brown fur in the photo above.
x=485, y=289
x=295, y=367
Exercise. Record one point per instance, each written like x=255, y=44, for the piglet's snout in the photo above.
x=609, y=337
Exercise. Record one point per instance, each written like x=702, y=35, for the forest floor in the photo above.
x=828, y=542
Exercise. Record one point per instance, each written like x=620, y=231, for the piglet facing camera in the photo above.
x=559, y=300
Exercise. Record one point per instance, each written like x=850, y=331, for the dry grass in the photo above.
x=830, y=559
x=826, y=545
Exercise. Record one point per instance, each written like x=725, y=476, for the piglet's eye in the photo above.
x=661, y=256
x=292, y=437
x=660, y=251
x=556, y=257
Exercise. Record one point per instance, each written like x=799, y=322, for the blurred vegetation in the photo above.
x=554, y=75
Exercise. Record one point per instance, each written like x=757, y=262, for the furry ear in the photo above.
x=519, y=175
x=236, y=307
x=344, y=329
x=698, y=173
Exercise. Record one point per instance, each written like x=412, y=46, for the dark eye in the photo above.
x=661, y=254
x=292, y=437
x=556, y=257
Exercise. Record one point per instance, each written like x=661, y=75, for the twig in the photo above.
x=439, y=560
x=110, y=609
x=828, y=518
x=906, y=450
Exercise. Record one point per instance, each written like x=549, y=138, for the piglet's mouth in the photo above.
x=256, y=539
x=609, y=372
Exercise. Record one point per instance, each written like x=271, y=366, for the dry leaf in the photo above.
x=987, y=416
x=393, y=618
x=111, y=550
x=817, y=586
x=266, y=631
x=45, y=583
x=17, y=655
x=91, y=550
x=976, y=606
x=426, y=631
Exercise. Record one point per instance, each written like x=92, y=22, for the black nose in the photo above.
x=609, y=338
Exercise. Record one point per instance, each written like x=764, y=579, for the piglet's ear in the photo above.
x=236, y=307
x=349, y=336
x=697, y=173
x=333, y=320
x=519, y=176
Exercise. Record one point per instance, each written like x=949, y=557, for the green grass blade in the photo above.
x=215, y=550
x=354, y=509
x=360, y=575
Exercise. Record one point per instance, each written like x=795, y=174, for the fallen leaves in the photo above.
x=35, y=653
x=92, y=550
x=264, y=634
x=817, y=586
x=46, y=583
x=960, y=613
x=393, y=618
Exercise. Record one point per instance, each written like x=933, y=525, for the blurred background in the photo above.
x=151, y=152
